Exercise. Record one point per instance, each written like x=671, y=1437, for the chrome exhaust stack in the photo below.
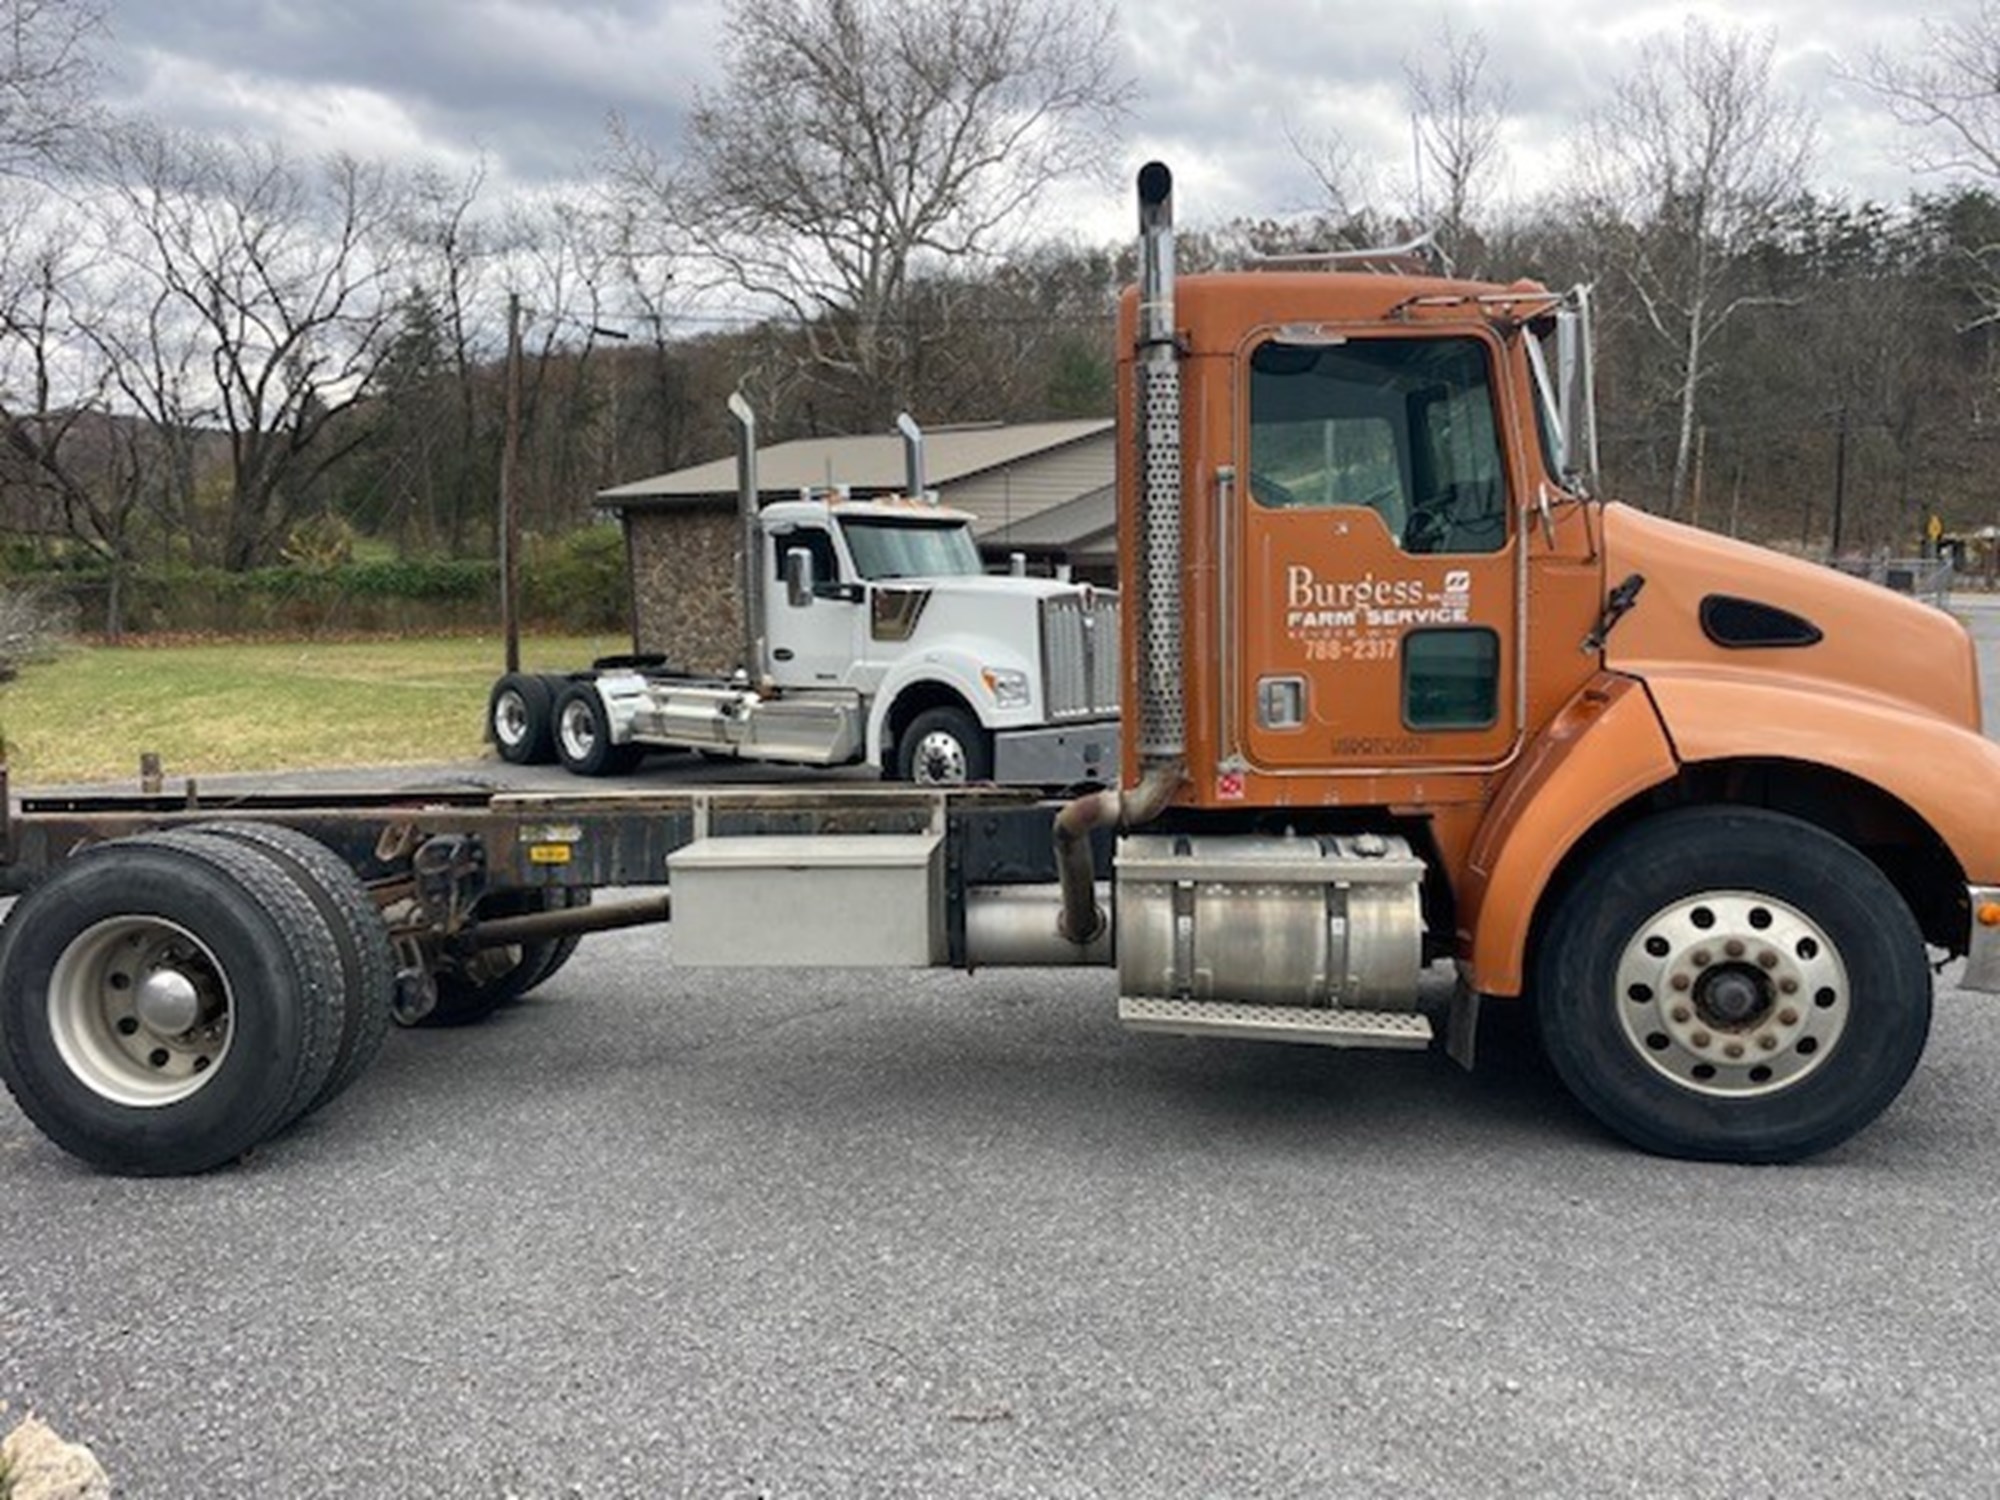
x=1162, y=697
x=750, y=576
x=914, y=487
x=1162, y=737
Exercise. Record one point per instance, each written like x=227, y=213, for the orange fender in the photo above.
x=1604, y=748
x=1945, y=773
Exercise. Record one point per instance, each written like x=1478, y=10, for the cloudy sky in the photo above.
x=527, y=84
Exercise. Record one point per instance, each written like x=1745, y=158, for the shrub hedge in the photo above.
x=574, y=584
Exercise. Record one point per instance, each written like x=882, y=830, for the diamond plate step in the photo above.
x=1278, y=1023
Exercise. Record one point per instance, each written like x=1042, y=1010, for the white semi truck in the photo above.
x=872, y=635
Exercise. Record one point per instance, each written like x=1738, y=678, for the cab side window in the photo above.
x=826, y=562
x=1402, y=427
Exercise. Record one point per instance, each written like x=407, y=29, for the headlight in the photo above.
x=1009, y=688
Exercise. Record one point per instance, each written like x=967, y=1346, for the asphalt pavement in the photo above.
x=661, y=1231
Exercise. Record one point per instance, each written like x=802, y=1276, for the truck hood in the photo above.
x=1858, y=638
x=998, y=617
x=986, y=585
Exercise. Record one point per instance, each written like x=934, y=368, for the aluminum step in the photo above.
x=1278, y=1023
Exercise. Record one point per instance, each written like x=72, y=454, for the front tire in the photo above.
x=944, y=747
x=1730, y=984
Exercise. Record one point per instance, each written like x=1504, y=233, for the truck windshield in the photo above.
x=911, y=549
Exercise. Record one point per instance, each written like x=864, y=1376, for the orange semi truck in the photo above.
x=1398, y=690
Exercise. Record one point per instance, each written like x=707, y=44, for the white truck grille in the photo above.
x=1080, y=655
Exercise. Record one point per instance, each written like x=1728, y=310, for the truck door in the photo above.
x=1373, y=556
x=812, y=644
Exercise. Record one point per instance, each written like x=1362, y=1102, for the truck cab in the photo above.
x=967, y=676
x=1404, y=688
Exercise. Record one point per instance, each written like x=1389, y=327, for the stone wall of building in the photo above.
x=685, y=600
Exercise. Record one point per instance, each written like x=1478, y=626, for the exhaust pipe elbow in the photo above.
x=1082, y=920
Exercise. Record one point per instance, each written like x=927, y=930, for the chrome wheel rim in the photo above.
x=510, y=719
x=939, y=760
x=1732, y=994
x=578, y=730
x=140, y=1011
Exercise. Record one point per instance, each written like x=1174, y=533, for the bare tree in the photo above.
x=271, y=301
x=1949, y=93
x=48, y=79
x=1339, y=170
x=69, y=468
x=1683, y=168
x=434, y=476
x=853, y=143
x=647, y=277
x=1948, y=96
x=1459, y=110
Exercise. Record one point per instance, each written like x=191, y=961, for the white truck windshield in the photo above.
x=911, y=549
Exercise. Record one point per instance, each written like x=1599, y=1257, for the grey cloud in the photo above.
x=530, y=82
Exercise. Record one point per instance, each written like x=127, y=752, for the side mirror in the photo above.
x=798, y=577
x=1576, y=388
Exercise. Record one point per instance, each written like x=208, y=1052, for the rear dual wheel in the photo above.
x=583, y=735
x=520, y=717
x=169, y=1001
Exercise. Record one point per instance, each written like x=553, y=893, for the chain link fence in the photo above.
x=1926, y=578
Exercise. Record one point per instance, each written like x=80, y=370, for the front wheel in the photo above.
x=1731, y=984
x=944, y=747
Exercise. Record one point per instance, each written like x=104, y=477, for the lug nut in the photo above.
x=1768, y=1042
x=1767, y=960
x=1734, y=947
x=1702, y=958
x=1701, y=1039
x=1788, y=1017
x=1682, y=1015
x=1681, y=981
x=1789, y=985
x=1734, y=1049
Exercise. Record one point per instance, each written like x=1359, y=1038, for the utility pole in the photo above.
x=510, y=502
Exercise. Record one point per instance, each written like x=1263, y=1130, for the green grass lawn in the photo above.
x=87, y=715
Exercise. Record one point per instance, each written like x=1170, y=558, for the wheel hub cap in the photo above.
x=940, y=760
x=579, y=733
x=140, y=1011
x=510, y=719
x=1732, y=993
x=1732, y=997
x=167, y=1002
